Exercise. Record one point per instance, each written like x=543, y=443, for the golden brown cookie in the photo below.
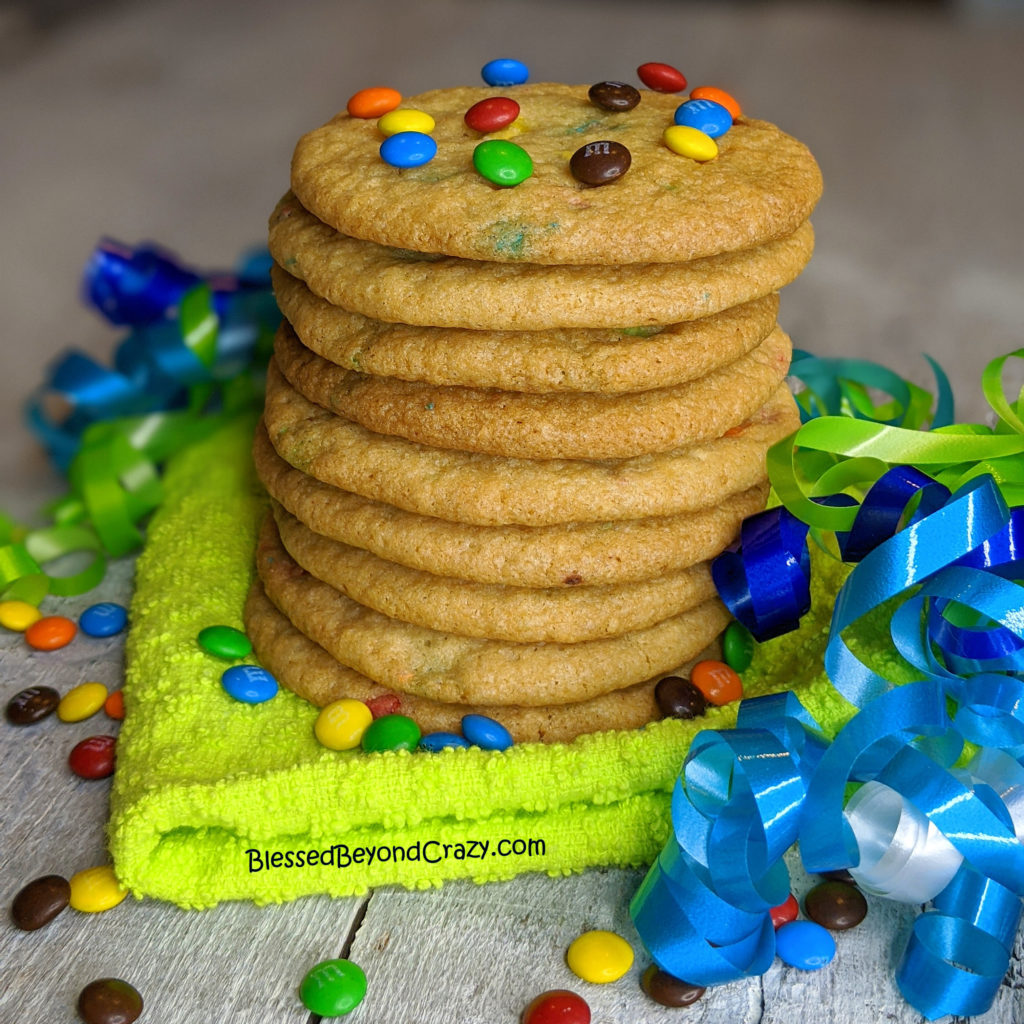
x=415, y=288
x=491, y=610
x=467, y=670
x=634, y=359
x=529, y=426
x=487, y=489
x=666, y=208
x=568, y=554
x=308, y=670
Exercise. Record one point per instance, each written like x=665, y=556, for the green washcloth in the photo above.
x=217, y=800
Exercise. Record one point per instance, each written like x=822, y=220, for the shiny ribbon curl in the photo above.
x=192, y=359
x=939, y=551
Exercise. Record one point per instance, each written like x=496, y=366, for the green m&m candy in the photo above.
x=333, y=988
x=502, y=162
x=225, y=642
x=391, y=732
x=737, y=647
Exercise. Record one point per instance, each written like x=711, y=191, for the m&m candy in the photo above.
x=705, y=115
x=405, y=120
x=50, y=633
x=502, y=162
x=249, y=684
x=492, y=114
x=103, y=619
x=661, y=77
x=408, y=149
x=505, y=71
x=373, y=102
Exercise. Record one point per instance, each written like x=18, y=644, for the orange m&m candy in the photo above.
x=719, y=683
x=114, y=705
x=50, y=632
x=716, y=95
x=373, y=102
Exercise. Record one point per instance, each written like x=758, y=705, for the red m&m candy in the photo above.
x=661, y=77
x=93, y=758
x=559, y=1006
x=492, y=114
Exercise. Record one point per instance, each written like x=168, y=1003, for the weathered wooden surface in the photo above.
x=174, y=120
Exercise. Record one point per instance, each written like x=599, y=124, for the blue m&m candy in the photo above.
x=249, y=684
x=485, y=732
x=805, y=944
x=103, y=619
x=705, y=115
x=435, y=741
x=408, y=149
x=505, y=71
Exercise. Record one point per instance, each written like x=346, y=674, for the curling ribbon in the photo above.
x=192, y=358
x=943, y=566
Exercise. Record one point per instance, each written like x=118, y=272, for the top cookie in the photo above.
x=666, y=208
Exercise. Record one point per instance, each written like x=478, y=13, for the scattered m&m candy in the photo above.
x=485, y=732
x=103, y=619
x=502, y=162
x=81, y=701
x=39, y=902
x=32, y=704
x=661, y=77
x=341, y=724
x=557, y=1006
x=224, y=642
x=786, y=911
x=93, y=758
x=691, y=142
x=719, y=683
x=679, y=698
x=405, y=120
x=373, y=102
x=109, y=1001
x=333, y=988
x=805, y=945
x=50, y=633
x=249, y=684
x=836, y=905
x=737, y=646
x=435, y=741
x=408, y=149
x=668, y=990
x=712, y=92
x=18, y=615
x=705, y=115
x=95, y=890
x=492, y=114
x=600, y=163
x=391, y=732
x=599, y=956
x=614, y=96
x=505, y=71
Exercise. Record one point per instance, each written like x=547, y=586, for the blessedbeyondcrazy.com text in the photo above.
x=433, y=851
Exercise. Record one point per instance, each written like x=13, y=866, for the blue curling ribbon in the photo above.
x=703, y=909
x=188, y=332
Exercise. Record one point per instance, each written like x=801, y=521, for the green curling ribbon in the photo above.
x=841, y=453
x=58, y=542
x=199, y=324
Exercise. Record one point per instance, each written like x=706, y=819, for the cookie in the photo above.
x=309, y=671
x=666, y=208
x=487, y=490
x=416, y=288
x=467, y=670
x=635, y=359
x=529, y=426
x=491, y=610
x=567, y=555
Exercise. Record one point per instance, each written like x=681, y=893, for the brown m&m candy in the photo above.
x=836, y=906
x=40, y=901
x=109, y=1001
x=32, y=705
x=663, y=988
x=600, y=163
x=615, y=96
x=679, y=698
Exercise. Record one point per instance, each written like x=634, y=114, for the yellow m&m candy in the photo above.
x=18, y=615
x=691, y=142
x=599, y=956
x=96, y=889
x=341, y=724
x=81, y=701
x=395, y=121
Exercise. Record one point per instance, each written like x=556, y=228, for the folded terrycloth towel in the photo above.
x=217, y=800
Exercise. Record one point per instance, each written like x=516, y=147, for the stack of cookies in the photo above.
x=507, y=428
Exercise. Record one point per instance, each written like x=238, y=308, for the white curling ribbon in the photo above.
x=903, y=856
